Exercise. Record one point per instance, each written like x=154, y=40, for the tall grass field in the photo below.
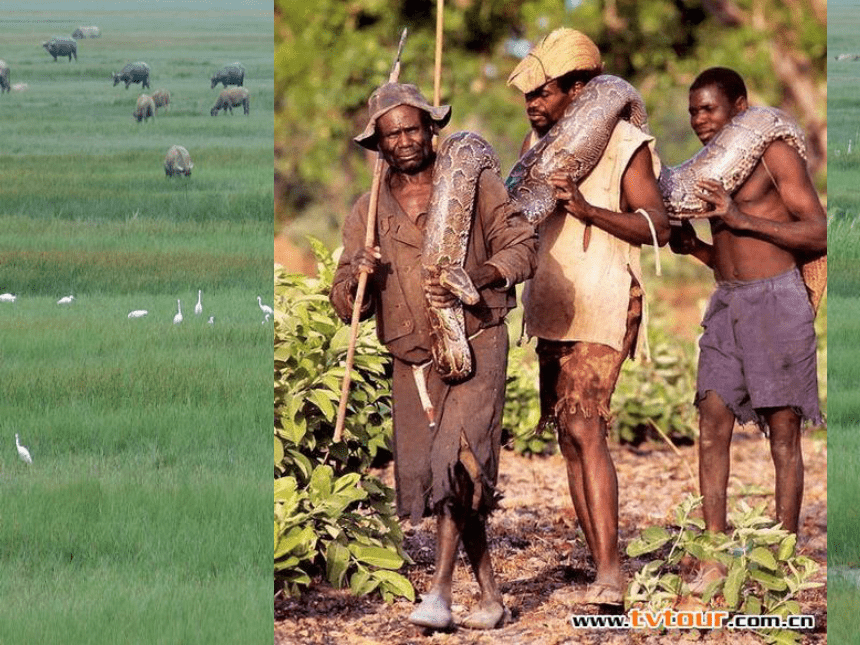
x=144, y=516
x=843, y=469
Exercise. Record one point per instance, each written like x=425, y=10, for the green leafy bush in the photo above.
x=522, y=407
x=658, y=393
x=331, y=516
x=764, y=571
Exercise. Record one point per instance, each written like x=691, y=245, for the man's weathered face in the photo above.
x=405, y=139
x=546, y=105
x=710, y=110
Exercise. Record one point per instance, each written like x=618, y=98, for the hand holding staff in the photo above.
x=362, y=281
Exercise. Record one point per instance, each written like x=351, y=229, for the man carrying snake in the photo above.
x=757, y=354
x=446, y=435
x=585, y=301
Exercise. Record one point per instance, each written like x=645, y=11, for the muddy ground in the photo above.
x=537, y=548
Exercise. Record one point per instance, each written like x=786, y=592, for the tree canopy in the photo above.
x=331, y=54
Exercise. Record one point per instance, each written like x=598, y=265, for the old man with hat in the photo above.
x=585, y=301
x=446, y=435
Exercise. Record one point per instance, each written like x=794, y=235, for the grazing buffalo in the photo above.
x=133, y=73
x=145, y=108
x=61, y=46
x=86, y=32
x=5, y=85
x=177, y=162
x=230, y=98
x=161, y=98
x=232, y=74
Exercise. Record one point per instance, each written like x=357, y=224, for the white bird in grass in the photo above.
x=137, y=313
x=65, y=301
x=23, y=453
x=198, y=308
x=178, y=317
x=266, y=319
x=211, y=320
x=7, y=297
x=266, y=309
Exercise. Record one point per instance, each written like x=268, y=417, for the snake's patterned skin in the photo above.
x=729, y=157
x=460, y=160
x=570, y=147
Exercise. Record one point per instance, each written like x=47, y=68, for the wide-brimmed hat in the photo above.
x=561, y=51
x=388, y=97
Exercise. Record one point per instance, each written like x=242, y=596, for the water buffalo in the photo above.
x=133, y=73
x=86, y=32
x=232, y=74
x=177, y=162
x=230, y=98
x=5, y=85
x=161, y=98
x=61, y=46
x=145, y=108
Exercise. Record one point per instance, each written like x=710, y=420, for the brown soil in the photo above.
x=537, y=548
x=292, y=258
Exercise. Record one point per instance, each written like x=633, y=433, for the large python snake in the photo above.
x=730, y=156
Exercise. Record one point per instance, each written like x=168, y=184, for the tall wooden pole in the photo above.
x=369, y=237
x=437, y=68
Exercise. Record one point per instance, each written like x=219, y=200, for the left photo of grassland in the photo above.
x=144, y=516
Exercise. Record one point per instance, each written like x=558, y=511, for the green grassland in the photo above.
x=144, y=516
x=843, y=470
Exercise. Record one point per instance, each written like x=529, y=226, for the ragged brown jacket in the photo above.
x=500, y=236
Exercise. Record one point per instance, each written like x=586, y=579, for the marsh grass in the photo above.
x=843, y=469
x=144, y=517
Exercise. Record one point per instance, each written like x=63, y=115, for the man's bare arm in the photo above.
x=806, y=232
x=639, y=189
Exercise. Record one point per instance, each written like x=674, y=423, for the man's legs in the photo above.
x=784, y=425
x=716, y=423
x=594, y=491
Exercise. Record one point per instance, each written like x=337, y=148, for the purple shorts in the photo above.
x=758, y=348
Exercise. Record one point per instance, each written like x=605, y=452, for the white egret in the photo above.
x=266, y=309
x=23, y=453
x=178, y=317
x=66, y=300
x=198, y=308
x=211, y=320
x=265, y=320
x=137, y=313
x=7, y=297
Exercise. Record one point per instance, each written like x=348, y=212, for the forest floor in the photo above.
x=537, y=548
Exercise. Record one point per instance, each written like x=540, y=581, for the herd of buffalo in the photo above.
x=177, y=161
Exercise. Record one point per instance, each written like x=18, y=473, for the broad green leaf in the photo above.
x=768, y=580
x=763, y=557
x=787, y=547
x=320, y=485
x=734, y=581
x=319, y=398
x=395, y=583
x=279, y=451
x=336, y=562
x=376, y=556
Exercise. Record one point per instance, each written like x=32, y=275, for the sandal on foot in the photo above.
x=433, y=612
x=490, y=617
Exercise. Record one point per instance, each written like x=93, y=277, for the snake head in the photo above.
x=457, y=281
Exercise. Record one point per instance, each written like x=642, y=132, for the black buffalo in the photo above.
x=133, y=73
x=232, y=74
x=61, y=46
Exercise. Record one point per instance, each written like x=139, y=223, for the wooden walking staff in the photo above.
x=437, y=68
x=370, y=235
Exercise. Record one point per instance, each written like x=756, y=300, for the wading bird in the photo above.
x=198, y=308
x=266, y=309
x=7, y=297
x=65, y=301
x=23, y=453
x=266, y=319
x=137, y=313
x=211, y=320
x=178, y=317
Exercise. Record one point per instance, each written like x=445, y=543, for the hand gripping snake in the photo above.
x=730, y=156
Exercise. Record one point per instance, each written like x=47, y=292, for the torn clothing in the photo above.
x=500, y=236
x=758, y=349
x=582, y=295
x=579, y=377
x=456, y=461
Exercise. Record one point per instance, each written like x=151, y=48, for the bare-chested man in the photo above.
x=757, y=360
